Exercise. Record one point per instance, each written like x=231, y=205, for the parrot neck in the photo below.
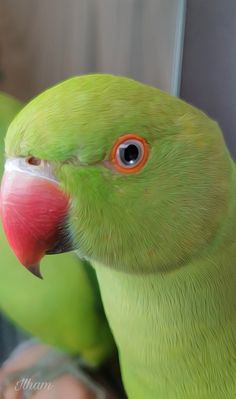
x=165, y=324
x=175, y=331
x=167, y=327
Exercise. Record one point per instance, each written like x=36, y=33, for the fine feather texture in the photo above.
x=162, y=240
x=69, y=316
x=81, y=118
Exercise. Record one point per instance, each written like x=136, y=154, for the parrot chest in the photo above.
x=174, y=345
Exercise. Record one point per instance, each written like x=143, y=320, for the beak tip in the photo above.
x=35, y=269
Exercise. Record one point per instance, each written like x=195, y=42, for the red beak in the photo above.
x=34, y=210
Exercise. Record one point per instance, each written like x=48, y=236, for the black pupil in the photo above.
x=130, y=154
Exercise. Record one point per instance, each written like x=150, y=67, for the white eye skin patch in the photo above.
x=44, y=170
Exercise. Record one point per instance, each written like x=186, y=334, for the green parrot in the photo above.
x=141, y=185
x=64, y=309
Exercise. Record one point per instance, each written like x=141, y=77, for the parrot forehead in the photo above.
x=84, y=115
x=86, y=112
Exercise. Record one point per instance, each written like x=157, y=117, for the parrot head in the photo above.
x=125, y=174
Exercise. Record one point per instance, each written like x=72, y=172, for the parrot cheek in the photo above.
x=34, y=212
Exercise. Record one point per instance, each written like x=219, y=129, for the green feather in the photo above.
x=64, y=309
x=162, y=240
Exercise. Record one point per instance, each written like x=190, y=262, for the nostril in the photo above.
x=33, y=161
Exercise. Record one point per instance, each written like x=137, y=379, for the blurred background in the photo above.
x=45, y=41
x=184, y=47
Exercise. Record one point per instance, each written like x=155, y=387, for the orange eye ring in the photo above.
x=129, y=153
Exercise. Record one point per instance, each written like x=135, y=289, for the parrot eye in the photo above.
x=129, y=153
